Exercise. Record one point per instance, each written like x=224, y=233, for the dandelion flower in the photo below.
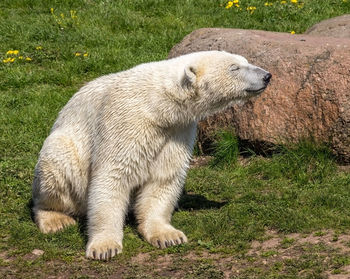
x=9, y=60
x=86, y=54
x=229, y=4
x=15, y=52
x=292, y=32
x=251, y=9
x=39, y=48
x=28, y=59
x=20, y=57
x=51, y=10
x=294, y=1
x=73, y=14
x=283, y=2
x=77, y=54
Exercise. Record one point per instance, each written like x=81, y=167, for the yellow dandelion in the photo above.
x=251, y=9
x=15, y=52
x=20, y=57
x=77, y=54
x=292, y=32
x=235, y=1
x=51, y=10
x=39, y=48
x=73, y=14
x=283, y=2
x=229, y=4
x=9, y=60
x=268, y=4
x=28, y=59
x=86, y=54
x=237, y=5
x=294, y=1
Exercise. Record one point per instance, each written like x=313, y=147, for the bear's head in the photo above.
x=215, y=80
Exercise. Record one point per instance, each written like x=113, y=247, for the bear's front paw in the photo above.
x=103, y=248
x=165, y=236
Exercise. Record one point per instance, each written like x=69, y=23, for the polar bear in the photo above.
x=131, y=134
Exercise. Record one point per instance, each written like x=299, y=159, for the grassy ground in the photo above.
x=298, y=199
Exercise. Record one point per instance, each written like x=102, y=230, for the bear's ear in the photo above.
x=189, y=77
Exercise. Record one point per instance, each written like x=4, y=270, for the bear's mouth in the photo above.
x=255, y=91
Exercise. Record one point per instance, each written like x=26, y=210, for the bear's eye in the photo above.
x=234, y=68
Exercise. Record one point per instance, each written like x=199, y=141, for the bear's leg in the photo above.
x=154, y=207
x=59, y=187
x=51, y=199
x=107, y=206
x=156, y=200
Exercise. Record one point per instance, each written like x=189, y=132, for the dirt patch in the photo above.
x=345, y=274
x=5, y=257
x=163, y=263
x=36, y=253
x=330, y=238
x=200, y=161
x=280, y=242
x=141, y=258
x=279, y=253
x=344, y=168
x=329, y=248
x=325, y=254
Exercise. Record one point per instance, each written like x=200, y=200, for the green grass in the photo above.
x=297, y=190
x=226, y=206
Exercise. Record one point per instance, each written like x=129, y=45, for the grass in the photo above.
x=297, y=190
x=226, y=206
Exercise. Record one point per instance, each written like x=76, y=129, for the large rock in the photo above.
x=309, y=95
x=336, y=27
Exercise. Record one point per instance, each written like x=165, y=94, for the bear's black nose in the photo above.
x=267, y=78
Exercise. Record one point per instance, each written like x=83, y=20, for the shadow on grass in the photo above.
x=191, y=201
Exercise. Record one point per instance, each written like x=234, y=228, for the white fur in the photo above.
x=132, y=133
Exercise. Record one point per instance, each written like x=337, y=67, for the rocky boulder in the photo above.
x=309, y=95
x=336, y=27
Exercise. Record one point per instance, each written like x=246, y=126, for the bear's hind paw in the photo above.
x=52, y=221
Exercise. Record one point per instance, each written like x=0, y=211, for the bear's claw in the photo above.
x=103, y=250
x=168, y=239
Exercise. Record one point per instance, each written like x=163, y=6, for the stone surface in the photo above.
x=38, y=252
x=309, y=95
x=336, y=27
